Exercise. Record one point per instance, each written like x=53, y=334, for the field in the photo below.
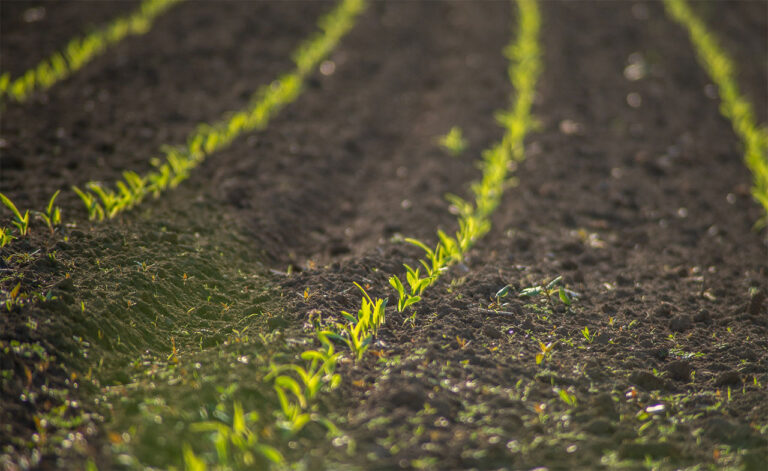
x=368, y=235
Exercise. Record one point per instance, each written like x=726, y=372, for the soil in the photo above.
x=170, y=313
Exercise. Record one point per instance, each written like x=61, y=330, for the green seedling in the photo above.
x=52, y=215
x=236, y=444
x=5, y=236
x=549, y=290
x=404, y=299
x=567, y=397
x=589, y=337
x=453, y=142
x=21, y=222
x=546, y=352
x=95, y=211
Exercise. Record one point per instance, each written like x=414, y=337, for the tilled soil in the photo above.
x=633, y=190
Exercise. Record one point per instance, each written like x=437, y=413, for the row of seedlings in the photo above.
x=734, y=105
x=299, y=384
x=81, y=50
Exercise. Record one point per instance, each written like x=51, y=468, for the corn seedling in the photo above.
x=358, y=332
x=734, y=106
x=80, y=51
x=177, y=162
x=296, y=397
x=5, y=236
x=21, y=222
x=95, y=211
x=52, y=214
x=237, y=444
x=453, y=142
x=404, y=299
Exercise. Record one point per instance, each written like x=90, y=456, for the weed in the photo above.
x=21, y=222
x=549, y=290
x=545, y=353
x=453, y=142
x=589, y=337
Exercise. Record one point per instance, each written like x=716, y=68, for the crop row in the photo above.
x=79, y=51
x=734, y=105
x=298, y=385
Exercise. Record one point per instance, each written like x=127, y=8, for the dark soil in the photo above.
x=175, y=310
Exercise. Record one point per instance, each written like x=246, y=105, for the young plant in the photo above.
x=554, y=287
x=589, y=337
x=21, y=222
x=404, y=299
x=453, y=142
x=5, y=236
x=236, y=444
x=52, y=215
x=546, y=352
x=95, y=211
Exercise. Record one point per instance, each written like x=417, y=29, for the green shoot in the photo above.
x=404, y=299
x=567, y=397
x=589, y=337
x=95, y=211
x=5, y=236
x=21, y=222
x=545, y=353
x=453, y=142
x=554, y=287
x=241, y=436
x=52, y=215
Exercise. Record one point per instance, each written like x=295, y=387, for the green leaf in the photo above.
x=529, y=292
x=554, y=282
